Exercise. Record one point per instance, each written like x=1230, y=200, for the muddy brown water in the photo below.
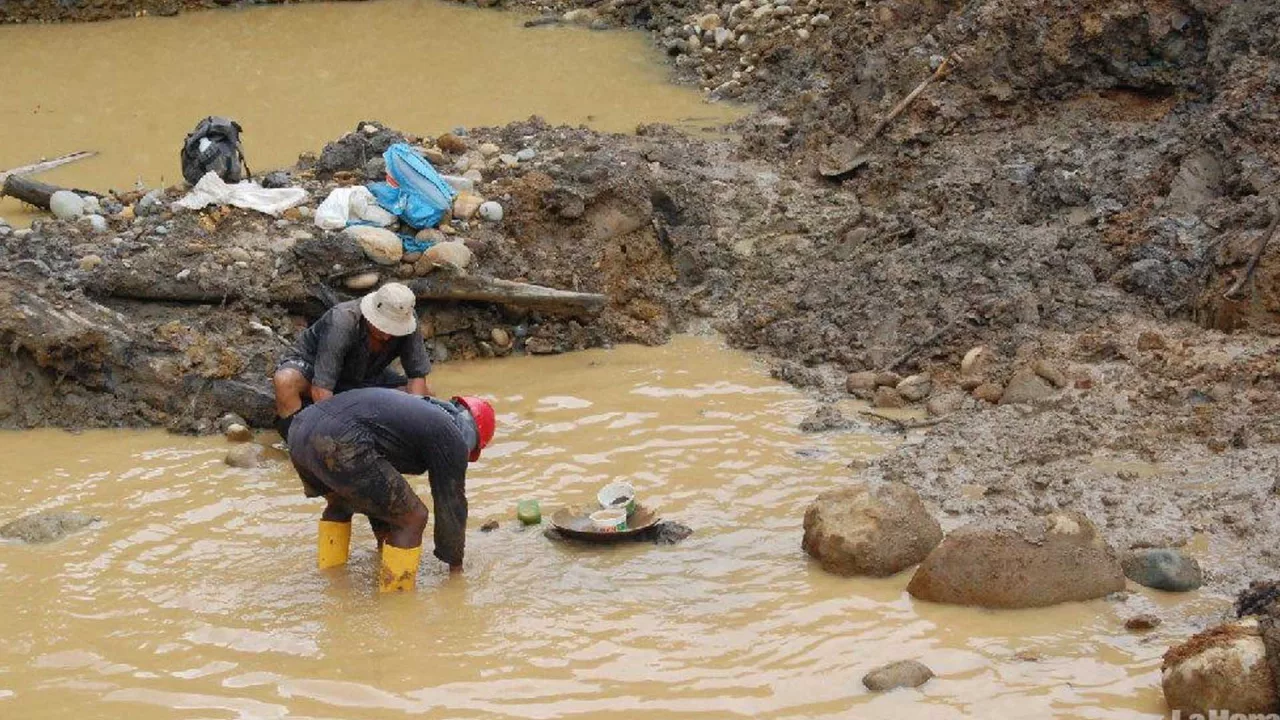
x=298, y=77
x=197, y=597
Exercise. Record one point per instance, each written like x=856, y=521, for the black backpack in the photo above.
x=222, y=153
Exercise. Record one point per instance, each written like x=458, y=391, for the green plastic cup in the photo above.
x=529, y=512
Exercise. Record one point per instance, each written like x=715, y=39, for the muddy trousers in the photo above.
x=336, y=460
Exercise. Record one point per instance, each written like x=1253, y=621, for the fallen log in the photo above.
x=448, y=286
x=34, y=192
x=49, y=164
x=437, y=286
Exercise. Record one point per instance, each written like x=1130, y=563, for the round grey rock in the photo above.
x=150, y=203
x=46, y=526
x=904, y=673
x=247, y=456
x=238, y=433
x=97, y=223
x=491, y=211
x=229, y=419
x=915, y=387
x=66, y=205
x=1163, y=569
x=1026, y=387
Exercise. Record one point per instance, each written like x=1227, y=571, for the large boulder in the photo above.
x=1032, y=563
x=1223, y=668
x=866, y=530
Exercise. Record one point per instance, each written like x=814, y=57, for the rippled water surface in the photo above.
x=197, y=596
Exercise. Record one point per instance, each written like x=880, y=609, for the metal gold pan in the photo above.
x=575, y=523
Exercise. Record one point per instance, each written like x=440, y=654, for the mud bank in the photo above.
x=1079, y=190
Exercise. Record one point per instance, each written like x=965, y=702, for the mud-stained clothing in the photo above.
x=334, y=354
x=388, y=378
x=355, y=445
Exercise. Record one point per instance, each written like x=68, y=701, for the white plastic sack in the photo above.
x=213, y=190
x=348, y=203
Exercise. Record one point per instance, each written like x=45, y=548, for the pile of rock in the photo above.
x=889, y=389
x=463, y=163
x=384, y=247
x=722, y=43
x=86, y=209
x=453, y=153
x=980, y=377
x=1030, y=383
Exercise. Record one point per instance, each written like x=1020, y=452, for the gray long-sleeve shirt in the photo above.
x=337, y=345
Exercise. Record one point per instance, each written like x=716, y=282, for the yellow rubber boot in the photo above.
x=399, y=568
x=334, y=544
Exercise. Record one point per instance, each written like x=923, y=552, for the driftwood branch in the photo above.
x=1236, y=291
x=850, y=155
x=448, y=286
x=34, y=192
x=49, y=164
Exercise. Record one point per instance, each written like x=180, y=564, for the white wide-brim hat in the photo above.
x=390, y=309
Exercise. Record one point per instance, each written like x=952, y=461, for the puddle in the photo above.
x=197, y=598
x=297, y=77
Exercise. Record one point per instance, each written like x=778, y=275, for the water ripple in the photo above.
x=198, y=596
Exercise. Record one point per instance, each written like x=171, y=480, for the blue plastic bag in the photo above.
x=415, y=192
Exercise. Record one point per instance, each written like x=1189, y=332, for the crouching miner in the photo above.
x=351, y=347
x=352, y=448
